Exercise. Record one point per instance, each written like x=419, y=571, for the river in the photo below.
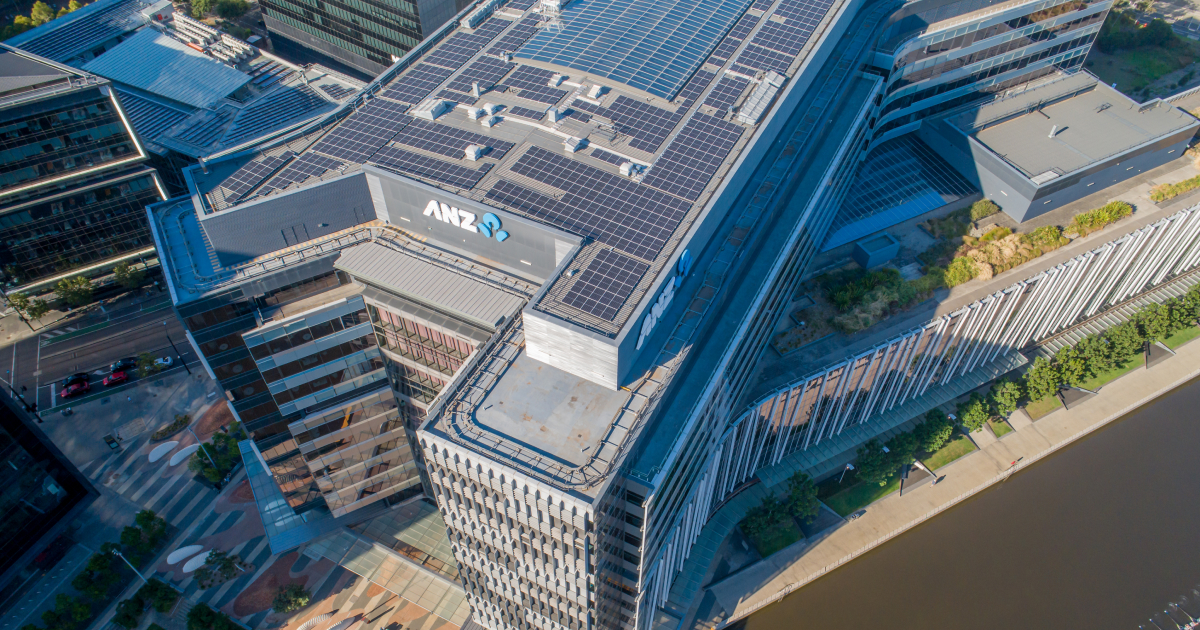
x=1103, y=534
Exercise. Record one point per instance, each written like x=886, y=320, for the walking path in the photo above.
x=774, y=577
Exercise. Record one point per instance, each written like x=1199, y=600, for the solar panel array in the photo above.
x=646, y=124
x=614, y=210
x=205, y=130
x=516, y=37
x=490, y=28
x=525, y=112
x=577, y=115
x=761, y=5
x=429, y=168
x=62, y=43
x=694, y=156
x=533, y=84
x=251, y=174
x=413, y=87
x=447, y=140
x=148, y=117
x=364, y=132
x=457, y=98
x=756, y=57
x=336, y=91
x=726, y=93
x=606, y=156
x=650, y=45
x=694, y=88
x=277, y=108
x=486, y=70
x=455, y=51
x=605, y=284
x=734, y=39
x=520, y=5
x=309, y=165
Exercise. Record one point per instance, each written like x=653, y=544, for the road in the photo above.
x=40, y=363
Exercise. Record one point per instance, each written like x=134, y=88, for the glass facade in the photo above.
x=375, y=30
x=83, y=227
x=439, y=353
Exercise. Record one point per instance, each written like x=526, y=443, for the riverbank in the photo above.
x=776, y=576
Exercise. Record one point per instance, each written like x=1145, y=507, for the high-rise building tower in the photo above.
x=73, y=183
x=363, y=37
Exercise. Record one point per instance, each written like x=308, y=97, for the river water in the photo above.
x=1101, y=535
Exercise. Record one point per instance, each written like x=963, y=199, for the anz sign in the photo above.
x=664, y=299
x=489, y=225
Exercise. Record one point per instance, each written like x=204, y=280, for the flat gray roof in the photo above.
x=1090, y=121
x=547, y=411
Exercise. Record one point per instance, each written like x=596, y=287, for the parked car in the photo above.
x=124, y=365
x=162, y=363
x=81, y=377
x=120, y=376
x=74, y=389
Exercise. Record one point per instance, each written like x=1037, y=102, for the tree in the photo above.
x=1072, y=367
x=231, y=9
x=933, y=432
x=201, y=617
x=1006, y=395
x=153, y=526
x=29, y=308
x=129, y=612
x=1125, y=340
x=98, y=577
x=1042, y=379
x=201, y=8
x=903, y=446
x=291, y=598
x=68, y=613
x=146, y=365
x=1155, y=322
x=874, y=466
x=802, y=501
x=41, y=13
x=1096, y=353
x=76, y=290
x=218, y=567
x=974, y=412
x=128, y=277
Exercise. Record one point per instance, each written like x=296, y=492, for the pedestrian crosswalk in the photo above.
x=169, y=490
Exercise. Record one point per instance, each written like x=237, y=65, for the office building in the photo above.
x=74, y=183
x=42, y=493
x=362, y=38
x=557, y=238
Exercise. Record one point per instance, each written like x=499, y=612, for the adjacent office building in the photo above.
x=73, y=179
x=364, y=38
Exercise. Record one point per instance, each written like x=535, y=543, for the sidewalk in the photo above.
x=775, y=577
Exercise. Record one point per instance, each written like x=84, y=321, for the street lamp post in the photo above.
x=177, y=355
x=120, y=555
x=202, y=449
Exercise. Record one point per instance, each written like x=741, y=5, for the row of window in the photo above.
x=329, y=380
x=306, y=335
x=347, y=416
x=292, y=368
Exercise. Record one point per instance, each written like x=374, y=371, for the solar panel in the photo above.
x=802, y=9
x=605, y=284
x=429, y=168
x=492, y=27
x=650, y=45
x=646, y=124
x=251, y=173
x=447, y=140
x=577, y=115
x=413, y=87
x=763, y=59
x=785, y=38
x=694, y=156
x=148, y=117
x=727, y=92
x=486, y=70
x=761, y=5
x=520, y=5
x=734, y=39
x=605, y=156
x=533, y=84
x=281, y=106
x=525, y=112
x=61, y=43
x=614, y=210
x=516, y=36
x=457, y=98
x=364, y=132
x=335, y=90
x=456, y=51
x=694, y=88
x=309, y=165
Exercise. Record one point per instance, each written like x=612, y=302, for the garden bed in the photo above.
x=777, y=538
x=859, y=495
x=1000, y=428
x=1039, y=409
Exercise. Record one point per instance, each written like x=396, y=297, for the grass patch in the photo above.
x=953, y=449
x=1182, y=337
x=858, y=495
x=999, y=427
x=1040, y=408
x=776, y=539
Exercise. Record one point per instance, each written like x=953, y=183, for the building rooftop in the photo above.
x=19, y=73
x=1065, y=125
x=79, y=32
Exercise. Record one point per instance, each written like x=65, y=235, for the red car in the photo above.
x=75, y=389
x=120, y=376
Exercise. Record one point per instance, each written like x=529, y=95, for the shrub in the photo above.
x=180, y=421
x=995, y=234
x=983, y=208
x=232, y=9
x=959, y=271
x=291, y=598
x=201, y=617
x=1087, y=222
x=1046, y=238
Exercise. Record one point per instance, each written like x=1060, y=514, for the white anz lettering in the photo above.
x=450, y=214
x=682, y=268
x=458, y=217
x=467, y=221
x=433, y=210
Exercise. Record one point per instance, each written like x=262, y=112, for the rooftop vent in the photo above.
x=430, y=109
x=596, y=91
x=573, y=144
x=473, y=152
x=555, y=80
x=490, y=121
x=492, y=108
x=474, y=113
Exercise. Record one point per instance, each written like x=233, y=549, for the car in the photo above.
x=81, y=377
x=120, y=376
x=162, y=363
x=75, y=389
x=124, y=365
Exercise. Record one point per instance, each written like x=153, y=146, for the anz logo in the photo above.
x=682, y=268
x=489, y=225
